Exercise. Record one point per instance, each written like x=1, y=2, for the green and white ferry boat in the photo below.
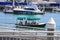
x=29, y=22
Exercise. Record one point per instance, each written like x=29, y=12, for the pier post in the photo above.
x=51, y=26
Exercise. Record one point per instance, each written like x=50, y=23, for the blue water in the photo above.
x=12, y=18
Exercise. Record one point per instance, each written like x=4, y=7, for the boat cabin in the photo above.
x=28, y=21
x=29, y=8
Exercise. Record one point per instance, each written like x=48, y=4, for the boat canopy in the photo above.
x=28, y=18
x=54, y=4
x=33, y=18
x=20, y=18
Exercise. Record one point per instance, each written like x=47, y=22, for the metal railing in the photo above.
x=30, y=33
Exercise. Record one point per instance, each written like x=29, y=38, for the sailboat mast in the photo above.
x=13, y=3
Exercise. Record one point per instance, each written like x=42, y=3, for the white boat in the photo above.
x=47, y=6
x=8, y=9
x=30, y=9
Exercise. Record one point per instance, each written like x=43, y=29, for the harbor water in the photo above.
x=8, y=18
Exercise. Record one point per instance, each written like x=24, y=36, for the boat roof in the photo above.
x=33, y=18
x=20, y=18
x=28, y=18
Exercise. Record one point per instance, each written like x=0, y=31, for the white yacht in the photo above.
x=30, y=9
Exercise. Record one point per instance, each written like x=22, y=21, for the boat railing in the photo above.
x=28, y=23
x=30, y=33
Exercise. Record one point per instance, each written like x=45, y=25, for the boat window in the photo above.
x=28, y=8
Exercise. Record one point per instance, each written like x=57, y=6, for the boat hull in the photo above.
x=41, y=26
x=27, y=12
